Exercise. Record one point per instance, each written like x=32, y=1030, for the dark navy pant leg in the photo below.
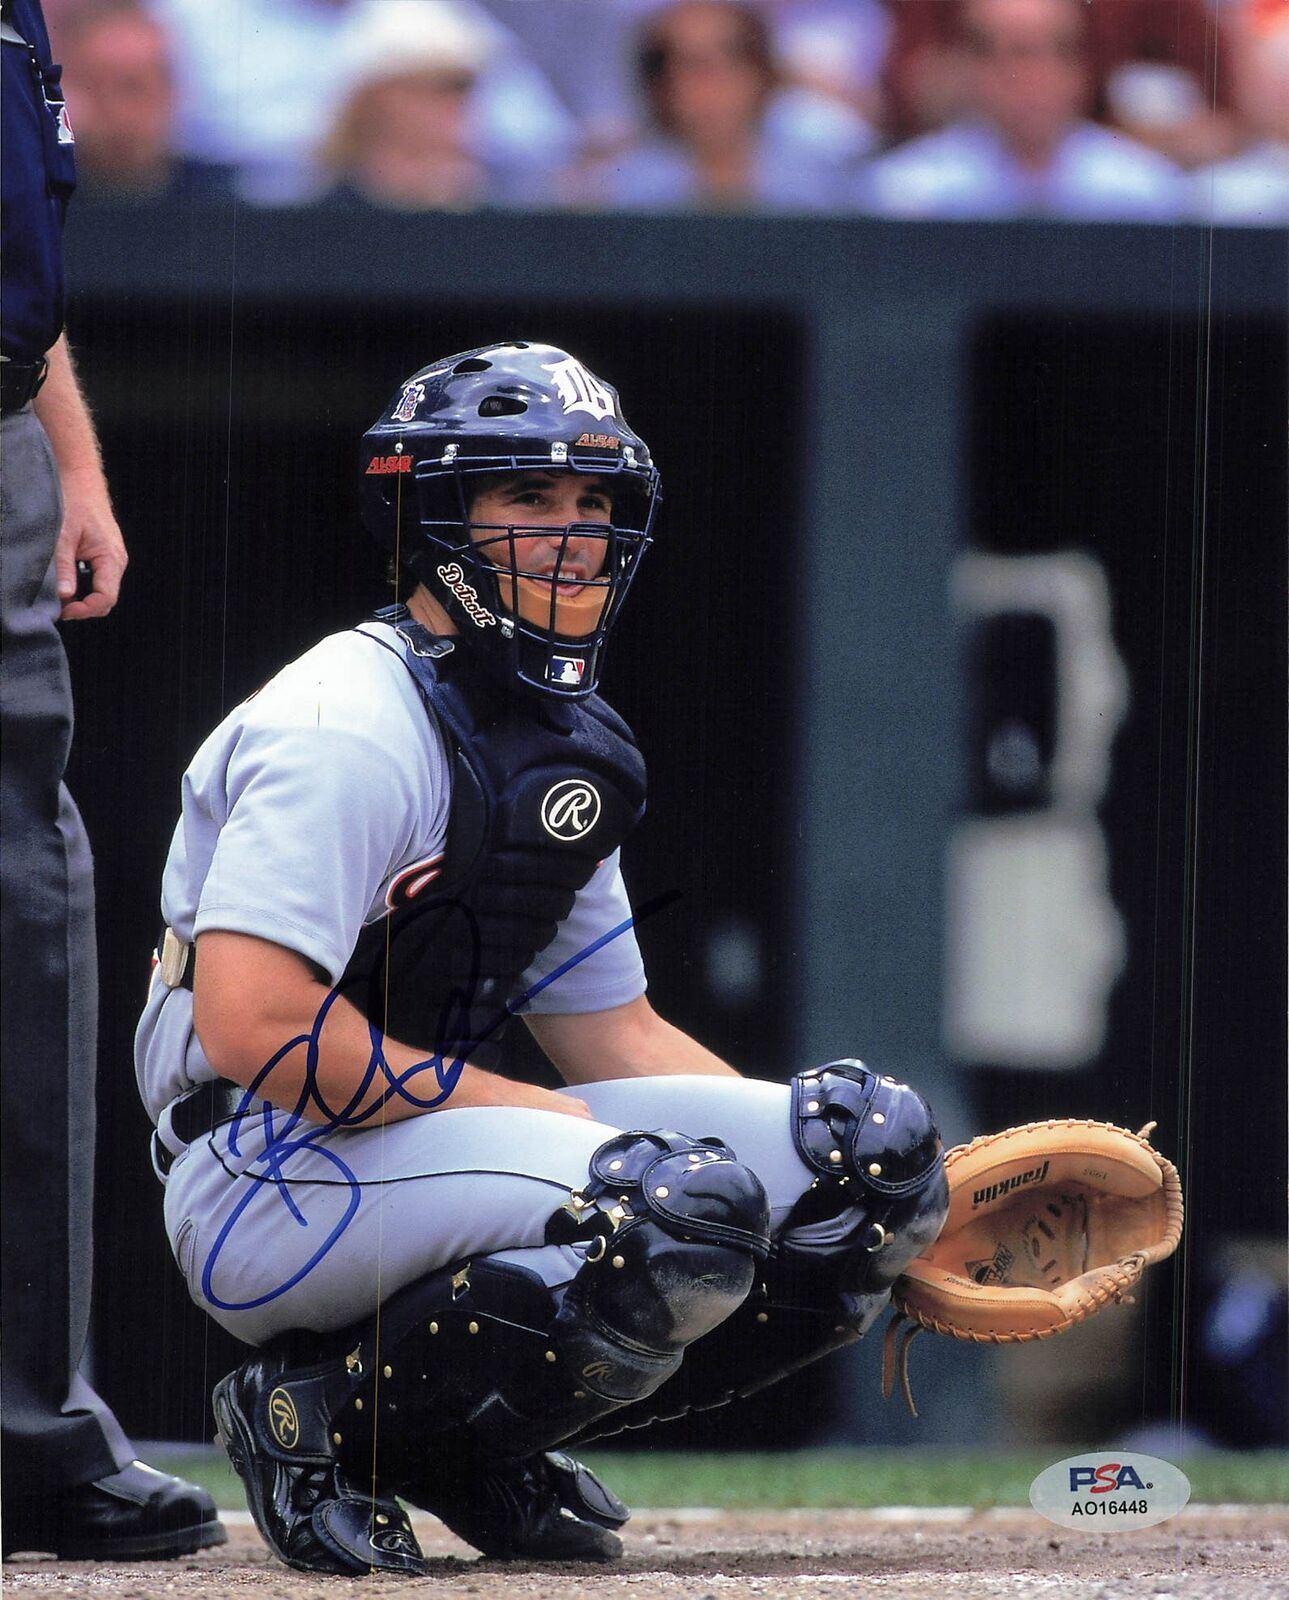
x=56, y=1430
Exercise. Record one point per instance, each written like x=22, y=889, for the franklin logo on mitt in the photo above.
x=1048, y=1223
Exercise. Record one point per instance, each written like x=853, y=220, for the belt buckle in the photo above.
x=163, y=1158
x=174, y=955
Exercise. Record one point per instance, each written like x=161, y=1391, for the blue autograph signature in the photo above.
x=282, y=1142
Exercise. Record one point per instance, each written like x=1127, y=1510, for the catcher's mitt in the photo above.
x=1047, y=1223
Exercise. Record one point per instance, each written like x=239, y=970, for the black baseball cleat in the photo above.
x=545, y=1508
x=312, y=1514
x=136, y=1514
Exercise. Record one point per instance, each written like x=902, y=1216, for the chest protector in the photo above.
x=542, y=793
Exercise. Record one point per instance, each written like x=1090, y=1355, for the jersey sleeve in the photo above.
x=594, y=962
x=315, y=818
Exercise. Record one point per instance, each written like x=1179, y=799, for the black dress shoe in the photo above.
x=137, y=1514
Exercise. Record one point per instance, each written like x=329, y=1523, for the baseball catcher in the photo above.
x=409, y=836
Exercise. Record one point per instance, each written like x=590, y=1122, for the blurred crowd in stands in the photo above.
x=1139, y=110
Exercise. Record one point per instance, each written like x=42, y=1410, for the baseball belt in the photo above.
x=192, y=1117
x=20, y=382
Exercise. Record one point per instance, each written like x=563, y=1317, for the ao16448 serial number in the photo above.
x=1109, y=1508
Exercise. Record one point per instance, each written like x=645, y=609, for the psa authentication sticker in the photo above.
x=1105, y=1489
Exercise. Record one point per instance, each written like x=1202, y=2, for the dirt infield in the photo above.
x=1229, y=1553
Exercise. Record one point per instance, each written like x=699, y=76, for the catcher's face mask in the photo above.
x=508, y=482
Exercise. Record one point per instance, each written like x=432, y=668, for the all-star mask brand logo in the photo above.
x=570, y=809
x=454, y=577
x=283, y=1422
x=579, y=389
x=389, y=464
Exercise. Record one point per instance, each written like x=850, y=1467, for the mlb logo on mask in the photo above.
x=566, y=669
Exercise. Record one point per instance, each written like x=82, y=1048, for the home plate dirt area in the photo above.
x=1205, y=1553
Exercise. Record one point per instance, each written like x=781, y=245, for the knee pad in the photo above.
x=879, y=1197
x=485, y=1361
x=677, y=1228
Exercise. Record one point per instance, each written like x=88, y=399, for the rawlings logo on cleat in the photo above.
x=284, y=1424
x=395, y=1541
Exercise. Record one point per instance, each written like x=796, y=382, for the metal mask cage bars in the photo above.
x=545, y=649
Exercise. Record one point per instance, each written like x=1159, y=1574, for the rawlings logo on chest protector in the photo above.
x=570, y=809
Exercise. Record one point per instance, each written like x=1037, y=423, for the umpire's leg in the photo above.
x=56, y=1431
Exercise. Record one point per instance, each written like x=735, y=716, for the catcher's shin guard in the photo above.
x=484, y=1363
x=879, y=1198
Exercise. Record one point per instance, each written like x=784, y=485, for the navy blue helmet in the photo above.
x=457, y=426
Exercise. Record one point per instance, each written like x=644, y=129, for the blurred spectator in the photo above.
x=402, y=136
x=1161, y=68
x=116, y=62
x=584, y=52
x=923, y=77
x=724, y=131
x=1252, y=188
x=262, y=81
x=835, y=47
x=1025, y=147
x=1157, y=70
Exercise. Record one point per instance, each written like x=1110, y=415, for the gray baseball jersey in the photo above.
x=299, y=811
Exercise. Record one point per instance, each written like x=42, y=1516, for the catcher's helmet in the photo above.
x=451, y=429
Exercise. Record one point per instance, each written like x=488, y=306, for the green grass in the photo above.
x=826, y=1478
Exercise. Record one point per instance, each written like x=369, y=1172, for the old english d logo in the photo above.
x=284, y=1425
x=579, y=389
x=570, y=809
